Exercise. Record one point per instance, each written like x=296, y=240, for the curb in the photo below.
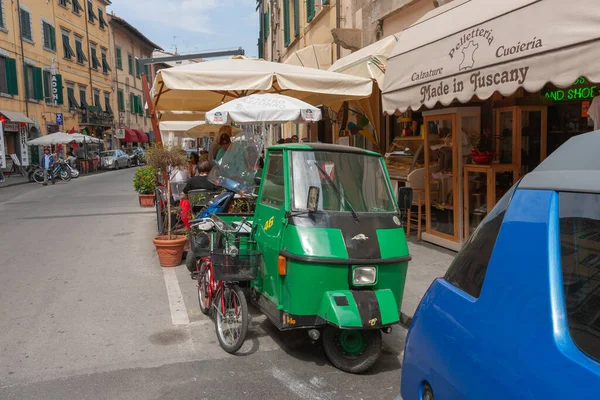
x=5, y=185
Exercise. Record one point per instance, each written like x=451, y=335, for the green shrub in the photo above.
x=144, y=181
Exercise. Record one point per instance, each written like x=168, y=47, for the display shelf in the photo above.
x=482, y=183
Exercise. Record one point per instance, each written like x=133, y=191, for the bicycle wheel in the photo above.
x=231, y=312
x=65, y=175
x=38, y=176
x=204, y=290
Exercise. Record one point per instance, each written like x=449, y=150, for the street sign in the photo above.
x=59, y=118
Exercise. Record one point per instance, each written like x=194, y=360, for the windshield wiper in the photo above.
x=338, y=192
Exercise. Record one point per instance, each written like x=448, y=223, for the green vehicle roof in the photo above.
x=323, y=147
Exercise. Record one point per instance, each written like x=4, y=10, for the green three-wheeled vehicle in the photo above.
x=333, y=251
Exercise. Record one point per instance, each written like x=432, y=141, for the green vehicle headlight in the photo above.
x=364, y=275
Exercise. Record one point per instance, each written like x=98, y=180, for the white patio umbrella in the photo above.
x=266, y=108
x=53, y=138
x=203, y=86
x=79, y=138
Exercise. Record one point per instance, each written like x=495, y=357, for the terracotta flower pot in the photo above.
x=146, y=200
x=170, y=252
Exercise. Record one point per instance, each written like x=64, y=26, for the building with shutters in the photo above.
x=128, y=46
x=316, y=33
x=55, y=72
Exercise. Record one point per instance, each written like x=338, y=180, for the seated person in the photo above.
x=201, y=180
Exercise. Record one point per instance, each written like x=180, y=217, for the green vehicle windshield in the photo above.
x=359, y=178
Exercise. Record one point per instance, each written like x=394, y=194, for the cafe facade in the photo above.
x=486, y=91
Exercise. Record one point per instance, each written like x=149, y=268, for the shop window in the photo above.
x=25, y=24
x=34, y=87
x=68, y=52
x=119, y=59
x=579, y=215
x=273, y=191
x=91, y=14
x=467, y=271
x=105, y=66
x=71, y=97
x=48, y=36
x=121, y=100
x=94, y=55
x=48, y=94
x=81, y=58
x=8, y=76
x=130, y=63
x=77, y=8
x=82, y=97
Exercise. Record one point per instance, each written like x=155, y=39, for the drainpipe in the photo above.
x=22, y=56
x=87, y=37
x=338, y=16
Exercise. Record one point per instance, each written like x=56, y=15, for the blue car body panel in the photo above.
x=513, y=341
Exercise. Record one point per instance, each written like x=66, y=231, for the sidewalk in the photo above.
x=428, y=262
x=14, y=180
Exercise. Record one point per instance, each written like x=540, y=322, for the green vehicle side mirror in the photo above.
x=312, y=204
x=405, y=198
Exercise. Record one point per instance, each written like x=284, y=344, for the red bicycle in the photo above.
x=218, y=276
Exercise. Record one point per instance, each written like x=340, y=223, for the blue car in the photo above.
x=517, y=315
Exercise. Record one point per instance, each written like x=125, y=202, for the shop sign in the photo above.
x=2, y=152
x=579, y=93
x=120, y=133
x=24, y=147
x=54, y=88
x=11, y=127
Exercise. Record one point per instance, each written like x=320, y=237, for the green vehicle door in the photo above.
x=269, y=220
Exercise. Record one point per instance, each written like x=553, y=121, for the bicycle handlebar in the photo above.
x=217, y=224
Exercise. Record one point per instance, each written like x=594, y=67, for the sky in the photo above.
x=194, y=26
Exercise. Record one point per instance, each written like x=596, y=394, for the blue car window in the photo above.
x=580, y=259
x=467, y=271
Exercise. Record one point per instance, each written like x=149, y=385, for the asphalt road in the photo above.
x=86, y=312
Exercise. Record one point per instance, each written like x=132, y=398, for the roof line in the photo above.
x=126, y=25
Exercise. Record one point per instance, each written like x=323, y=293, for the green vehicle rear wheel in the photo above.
x=350, y=350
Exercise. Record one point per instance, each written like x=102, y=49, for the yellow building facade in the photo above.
x=128, y=46
x=54, y=70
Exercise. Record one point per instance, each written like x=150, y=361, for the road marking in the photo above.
x=302, y=389
x=179, y=314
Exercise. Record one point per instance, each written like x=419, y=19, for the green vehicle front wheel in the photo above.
x=352, y=350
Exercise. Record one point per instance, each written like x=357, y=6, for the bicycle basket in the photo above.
x=241, y=267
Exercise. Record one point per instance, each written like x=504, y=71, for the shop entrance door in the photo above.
x=533, y=137
x=441, y=177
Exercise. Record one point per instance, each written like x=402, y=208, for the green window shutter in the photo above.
x=286, y=23
x=47, y=85
x=119, y=59
x=38, y=84
x=296, y=18
x=325, y=2
x=310, y=10
x=12, y=84
x=59, y=87
x=131, y=103
x=121, y=100
x=137, y=67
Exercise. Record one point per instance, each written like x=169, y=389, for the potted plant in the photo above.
x=480, y=152
x=144, y=183
x=166, y=160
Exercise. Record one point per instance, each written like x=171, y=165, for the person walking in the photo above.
x=48, y=161
x=2, y=179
